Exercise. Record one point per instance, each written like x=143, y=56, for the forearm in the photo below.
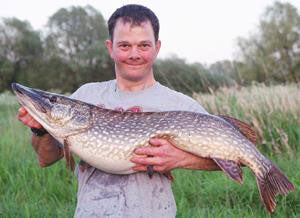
x=198, y=163
x=166, y=157
x=47, y=149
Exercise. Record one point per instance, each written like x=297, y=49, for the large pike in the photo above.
x=106, y=139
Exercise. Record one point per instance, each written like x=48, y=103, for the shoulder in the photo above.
x=94, y=85
x=90, y=88
x=179, y=100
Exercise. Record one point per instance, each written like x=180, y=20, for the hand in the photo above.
x=162, y=155
x=46, y=147
x=27, y=119
x=165, y=157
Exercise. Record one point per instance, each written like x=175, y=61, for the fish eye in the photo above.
x=53, y=99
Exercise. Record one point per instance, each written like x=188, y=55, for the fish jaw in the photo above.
x=32, y=102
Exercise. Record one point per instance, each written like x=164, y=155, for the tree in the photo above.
x=76, y=36
x=19, y=47
x=175, y=73
x=274, y=52
x=227, y=69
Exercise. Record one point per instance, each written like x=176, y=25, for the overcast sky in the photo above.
x=202, y=31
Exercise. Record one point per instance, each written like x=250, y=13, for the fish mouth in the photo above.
x=31, y=98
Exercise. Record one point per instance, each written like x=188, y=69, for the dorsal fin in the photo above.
x=243, y=127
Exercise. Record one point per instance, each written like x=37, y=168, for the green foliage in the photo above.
x=72, y=52
x=189, y=78
x=76, y=38
x=20, y=46
x=273, y=52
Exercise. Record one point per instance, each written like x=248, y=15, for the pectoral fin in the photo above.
x=69, y=158
x=231, y=169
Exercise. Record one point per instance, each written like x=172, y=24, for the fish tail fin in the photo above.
x=274, y=182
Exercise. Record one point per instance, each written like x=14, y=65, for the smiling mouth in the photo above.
x=135, y=65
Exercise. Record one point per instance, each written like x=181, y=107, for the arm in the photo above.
x=46, y=147
x=165, y=157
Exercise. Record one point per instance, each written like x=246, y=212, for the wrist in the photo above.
x=39, y=131
x=190, y=161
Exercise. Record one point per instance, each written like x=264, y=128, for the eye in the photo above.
x=124, y=47
x=144, y=46
x=53, y=99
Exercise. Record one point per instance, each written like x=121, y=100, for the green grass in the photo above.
x=29, y=191
x=25, y=189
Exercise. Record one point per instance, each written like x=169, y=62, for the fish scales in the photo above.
x=138, y=129
x=106, y=139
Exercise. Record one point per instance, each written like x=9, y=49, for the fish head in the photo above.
x=58, y=114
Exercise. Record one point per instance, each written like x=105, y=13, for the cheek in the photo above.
x=120, y=56
x=148, y=56
x=123, y=56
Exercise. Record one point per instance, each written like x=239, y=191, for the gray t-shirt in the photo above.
x=136, y=195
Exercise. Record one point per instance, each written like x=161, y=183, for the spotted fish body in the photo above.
x=106, y=139
x=113, y=137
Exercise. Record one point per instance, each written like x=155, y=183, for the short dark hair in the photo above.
x=134, y=14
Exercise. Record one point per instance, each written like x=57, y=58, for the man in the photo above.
x=133, y=45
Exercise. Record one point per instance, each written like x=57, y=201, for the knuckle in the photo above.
x=159, y=162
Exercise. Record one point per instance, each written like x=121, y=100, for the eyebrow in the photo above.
x=146, y=41
x=122, y=42
x=126, y=42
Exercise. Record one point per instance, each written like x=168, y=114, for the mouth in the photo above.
x=29, y=98
x=135, y=63
x=16, y=88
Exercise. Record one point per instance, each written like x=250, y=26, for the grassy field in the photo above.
x=28, y=191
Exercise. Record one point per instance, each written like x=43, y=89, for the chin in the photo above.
x=134, y=78
x=134, y=75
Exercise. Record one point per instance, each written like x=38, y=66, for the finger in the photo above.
x=34, y=124
x=147, y=160
x=149, y=151
x=138, y=155
x=143, y=168
x=158, y=142
x=22, y=111
x=139, y=168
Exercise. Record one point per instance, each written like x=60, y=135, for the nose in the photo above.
x=134, y=54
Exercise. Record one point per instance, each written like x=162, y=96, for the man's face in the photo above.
x=134, y=50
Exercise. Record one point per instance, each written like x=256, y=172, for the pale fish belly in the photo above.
x=99, y=160
x=109, y=156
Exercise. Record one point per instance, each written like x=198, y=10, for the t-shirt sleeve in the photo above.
x=196, y=107
x=79, y=92
x=82, y=92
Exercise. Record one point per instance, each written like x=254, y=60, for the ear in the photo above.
x=157, y=46
x=109, y=47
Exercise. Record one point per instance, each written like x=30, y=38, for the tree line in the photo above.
x=70, y=51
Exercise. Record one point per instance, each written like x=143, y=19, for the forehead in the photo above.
x=128, y=31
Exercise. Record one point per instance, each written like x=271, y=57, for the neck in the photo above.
x=131, y=85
